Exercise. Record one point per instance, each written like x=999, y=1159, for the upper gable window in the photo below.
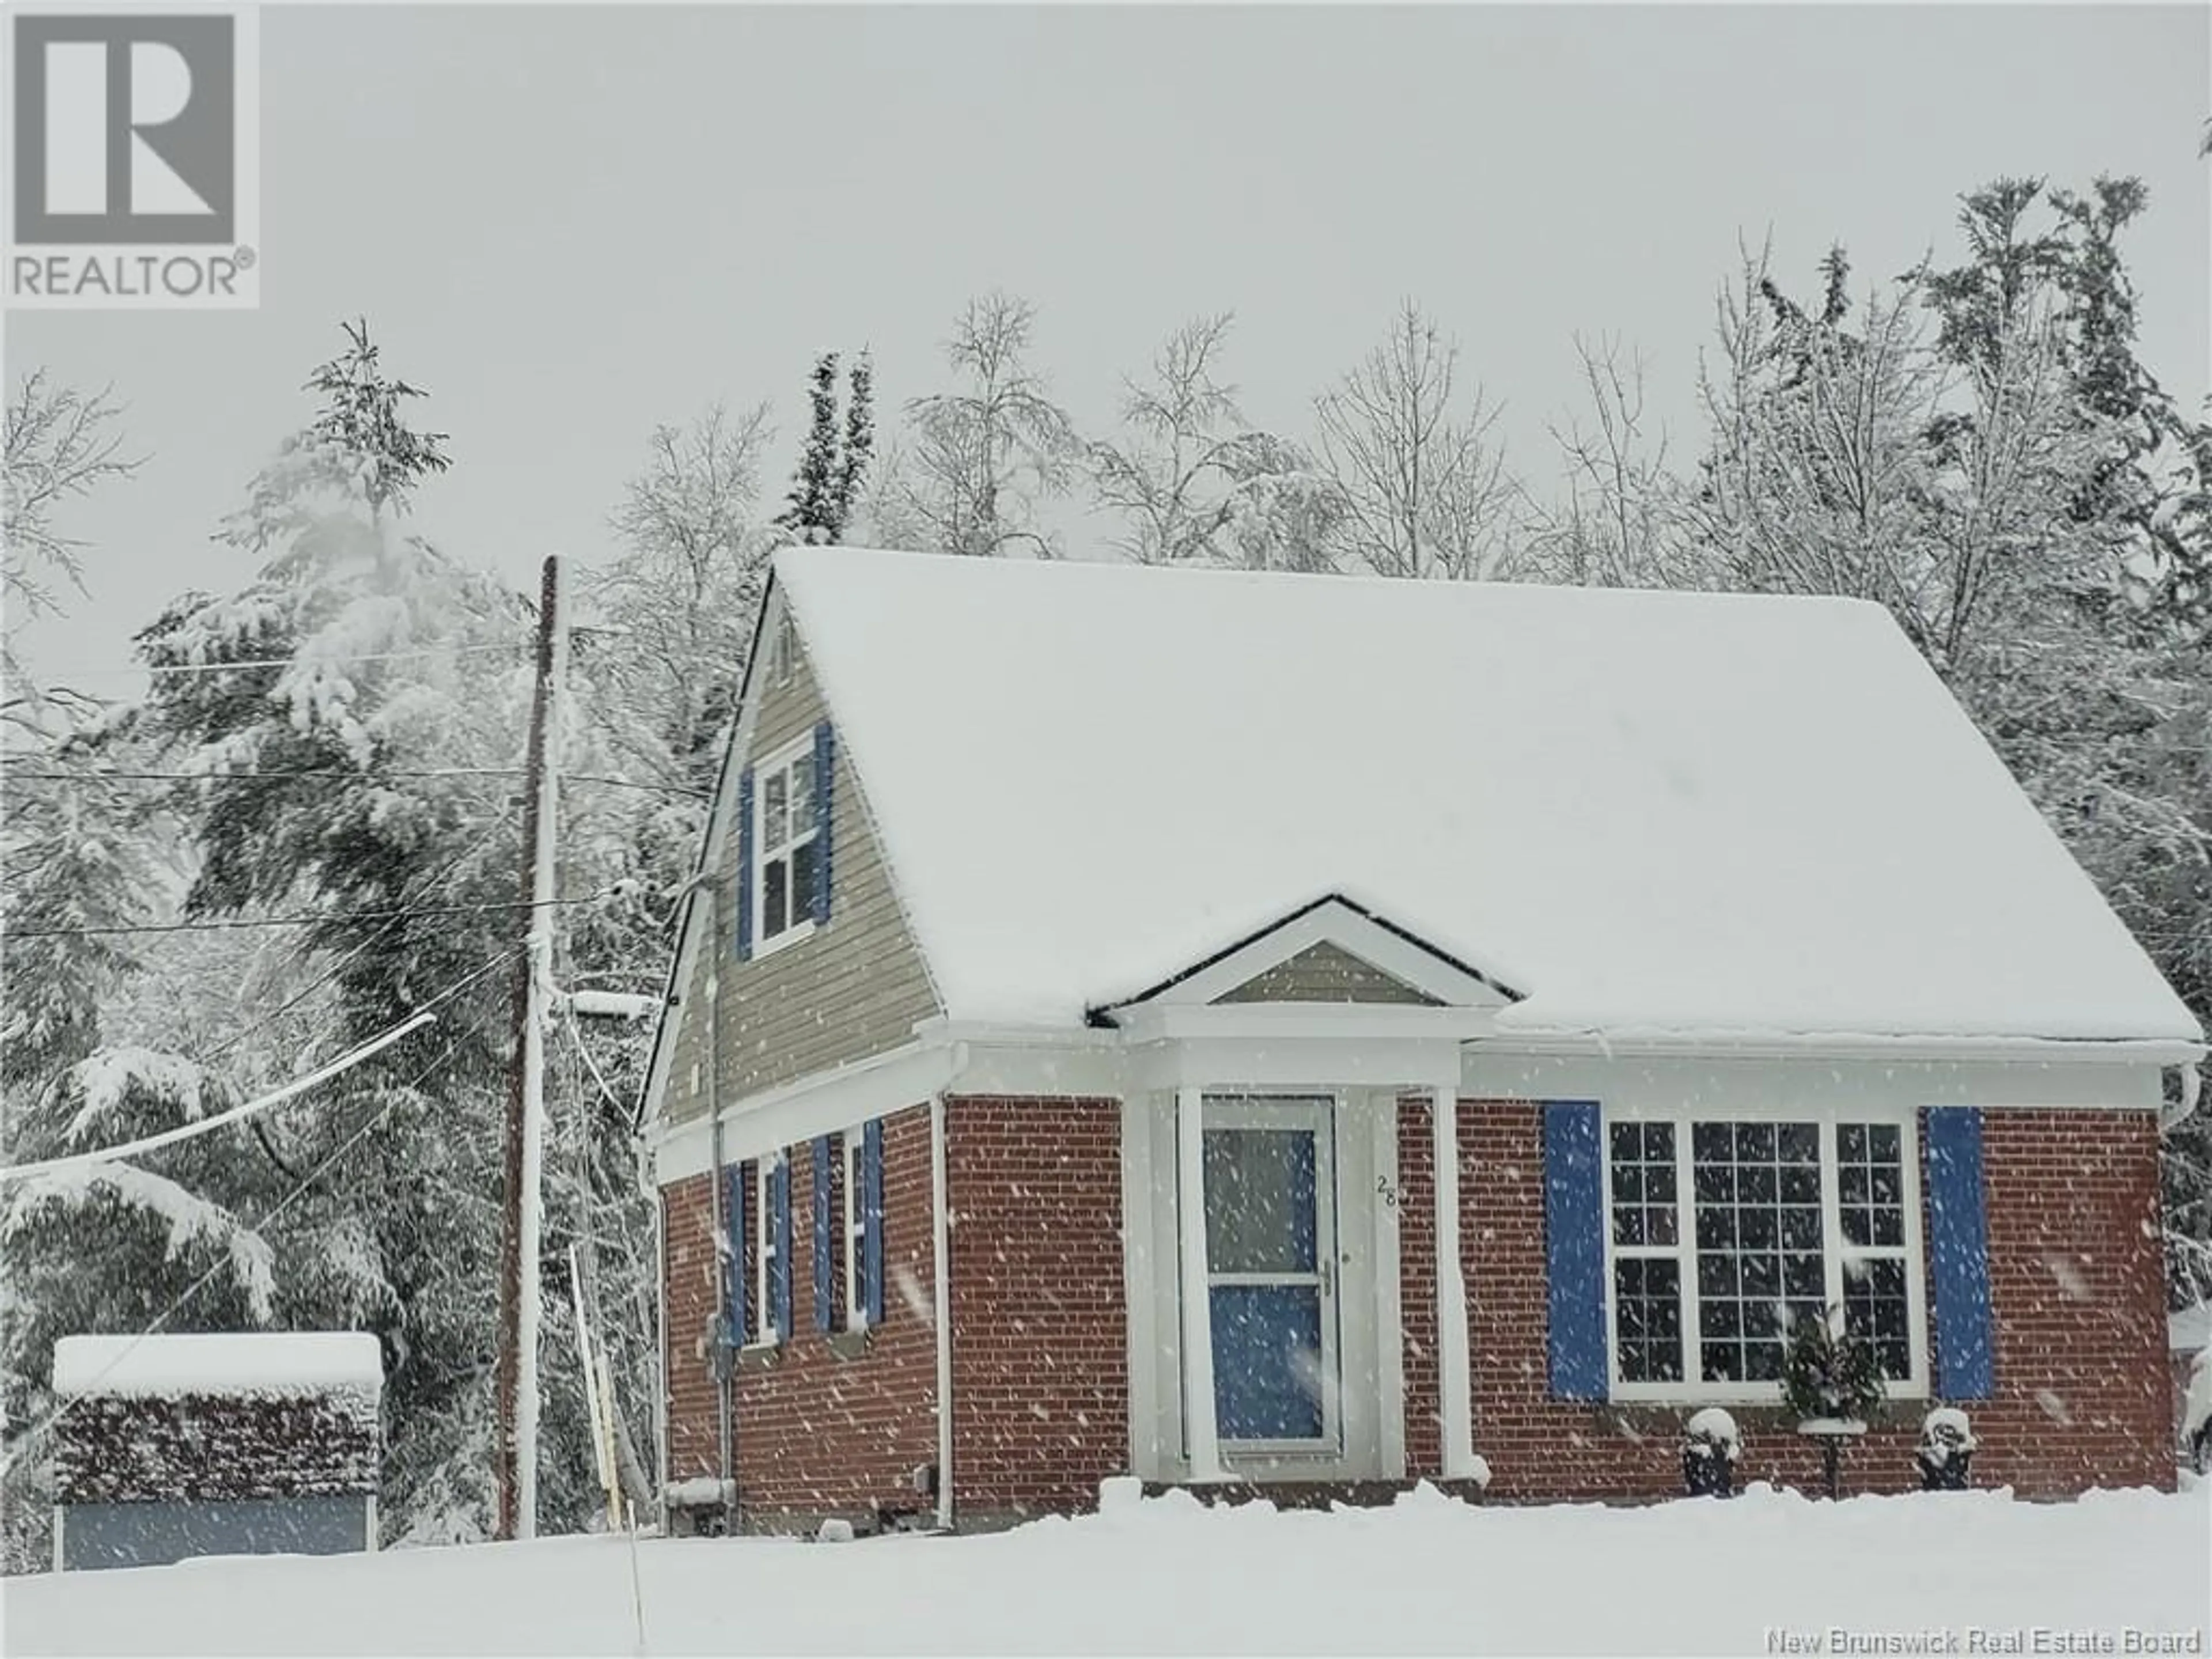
x=782, y=651
x=786, y=832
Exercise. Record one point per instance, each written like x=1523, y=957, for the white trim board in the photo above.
x=705, y=872
x=1274, y=1045
x=1331, y=920
x=899, y=1081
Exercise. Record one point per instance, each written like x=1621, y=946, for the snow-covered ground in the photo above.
x=1429, y=1576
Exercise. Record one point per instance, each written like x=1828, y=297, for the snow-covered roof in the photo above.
x=1646, y=811
x=248, y=1362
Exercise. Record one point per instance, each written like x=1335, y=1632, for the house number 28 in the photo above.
x=1386, y=1192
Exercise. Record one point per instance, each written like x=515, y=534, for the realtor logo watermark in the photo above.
x=133, y=170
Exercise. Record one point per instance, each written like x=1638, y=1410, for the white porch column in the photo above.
x=1197, y=1302
x=1454, y=1386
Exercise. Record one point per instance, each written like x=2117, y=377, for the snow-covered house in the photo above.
x=234, y=1444
x=1315, y=1034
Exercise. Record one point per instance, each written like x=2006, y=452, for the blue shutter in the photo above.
x=778, y=1288
x=824, y=1237
x=733, y=1217
x=871, y=1220
x=1959, y=1255
x=1574, y=1249
x=744, y=882
x=825, y=770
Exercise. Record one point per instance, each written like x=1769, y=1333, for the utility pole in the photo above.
x=525, y=1140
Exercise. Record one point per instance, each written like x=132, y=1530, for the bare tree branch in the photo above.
x=1425, y=492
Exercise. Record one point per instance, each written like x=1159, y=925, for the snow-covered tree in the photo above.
x=349, y=725
x=1171, y=479
x=1425, y=489
x=983, y=456
x=1622, y=516
x=2149, y=492
x=677, y=605
x=58, y=445
x=834, y=463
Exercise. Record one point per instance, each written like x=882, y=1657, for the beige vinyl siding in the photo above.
x=1324, y=973
x=852, y=989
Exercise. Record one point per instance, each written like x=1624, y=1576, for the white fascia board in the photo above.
x=1090, y=1071
x=937, y=1029
x=705, y=871
x=894, y=1082
x=1230, y=1064
x=1332, y=921
x=1782, y=1081
x=1841, y=1045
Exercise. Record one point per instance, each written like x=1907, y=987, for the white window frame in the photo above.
x=855, y=1218
x=781, y=762
x=764, y=1254
x=779, y=653
x=1834, y=1250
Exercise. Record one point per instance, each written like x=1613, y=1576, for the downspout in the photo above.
x=726, y=1259
x=940, y=1240
x=645, y=1180
x=2192, y=1090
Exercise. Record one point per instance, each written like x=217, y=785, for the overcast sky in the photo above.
x=572, y=223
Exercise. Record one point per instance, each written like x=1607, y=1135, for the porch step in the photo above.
x=1313, y=1494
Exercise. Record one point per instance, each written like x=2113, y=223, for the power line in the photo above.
x=296, y=921
x=422, y=1015
x=104, y=773
x=429, y=880
x=192, y=1131
x=289, y=662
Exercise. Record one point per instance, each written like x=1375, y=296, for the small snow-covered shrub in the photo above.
x=1711, y=1446
x=1946, y=1452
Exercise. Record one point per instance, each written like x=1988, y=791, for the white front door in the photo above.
x=1271, y=1263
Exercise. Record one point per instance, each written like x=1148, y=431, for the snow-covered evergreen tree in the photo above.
x=349, y=728
x=834, y=460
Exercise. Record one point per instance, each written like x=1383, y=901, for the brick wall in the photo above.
x=2076, y=1257
x=2077, y=1289
x=688, y=1301
x=816, y=1434
x=1040, y=1351
x=1417, y=1287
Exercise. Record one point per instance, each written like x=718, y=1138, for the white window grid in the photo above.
x=764, y=1331
x=1840, y=1260
x=778, y=837
x=855, y=1224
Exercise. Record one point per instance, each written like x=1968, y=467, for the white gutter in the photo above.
x=1139, y=1023
x=1838, y=1045
x=941, y=1240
